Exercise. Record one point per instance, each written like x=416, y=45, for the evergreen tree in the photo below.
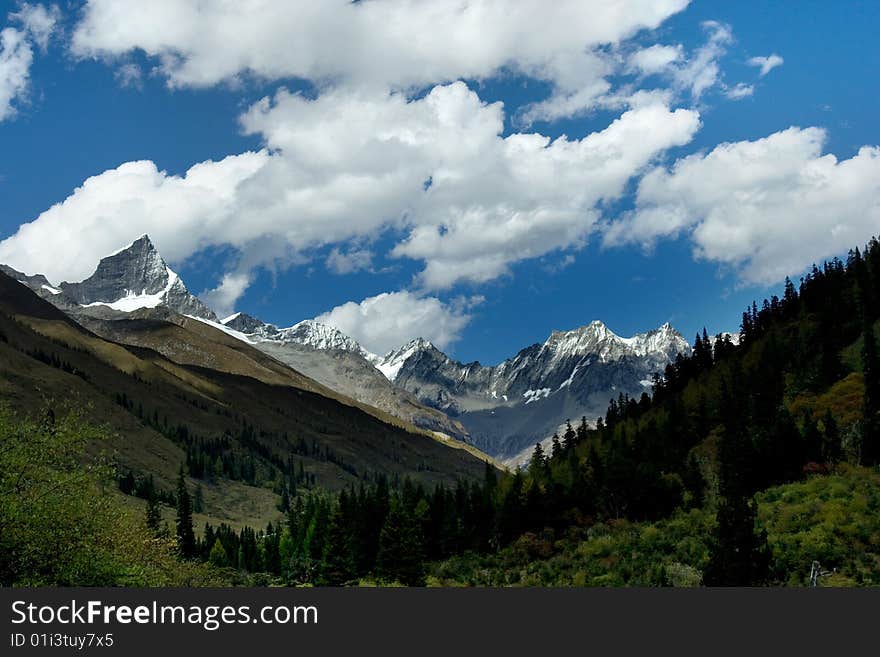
x=198, y=500
x=284, y=506
x=538, y=460
x=401, y=547
x=740, y=555
x=337, y=566
x=569, y=438
x=153, y=515
x=218, y=556
x=870, y=452
x=555, y=449
x=831, y=444
x=186, y=539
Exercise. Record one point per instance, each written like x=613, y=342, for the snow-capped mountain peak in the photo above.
x=594, y=338
x=134, y=277
x=244, y=323
x=320, y=336
x=665, y=341
x=390, y=363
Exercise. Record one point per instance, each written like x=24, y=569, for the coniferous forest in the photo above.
x=752, y=459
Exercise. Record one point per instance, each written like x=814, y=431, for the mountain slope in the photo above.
x=508, y=407
x=165, y=409
x=131, y=296
x=338, y=362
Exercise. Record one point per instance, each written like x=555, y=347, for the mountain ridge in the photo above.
x=500, y=408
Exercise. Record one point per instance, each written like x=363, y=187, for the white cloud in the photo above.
x=766, y=64
x=655, y=59
x=16, y=56
x=17, y=52
x=385, y=43
x=350, y=261
x=350, y=163
x=222, y=298
x=129, y=75
x=388, y=320
x=182, y=214
x=527, y=195
x=768, y=207
x=740, y=91
x=37, y=21
x=701, y=72
x=688, y=75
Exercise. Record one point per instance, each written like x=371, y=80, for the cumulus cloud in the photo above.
x=182, y=214
x=35, y=25
x=768, y=207
x=222, y=298
x=349, y=261
x=655, y=59
x=351, y=162
x=388, y=320
x=766, y=64
x=385, y=43
x=382, y=44
x=530, y=195
x=688, y=75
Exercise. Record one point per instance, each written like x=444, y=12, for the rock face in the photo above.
x=244, y=323
x=135, y=277
x=335, y=360
x=503, y=409
x=513, y=405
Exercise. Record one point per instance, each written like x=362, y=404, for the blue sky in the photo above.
x=515, y=258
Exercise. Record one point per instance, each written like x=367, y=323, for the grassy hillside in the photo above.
x=63, y=523
x=256, y=426
x=833, y=519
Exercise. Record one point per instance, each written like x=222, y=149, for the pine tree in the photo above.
x=284, y=506
x=218, y=556
x=831, y=444
x=739, y=555
x=538, y=460
x=401, y=547
x=153, y=515
x=555, y=449
x=186, y=539
x=198, y=500
x=871, y=401
x=337, y=567
x=569, y=438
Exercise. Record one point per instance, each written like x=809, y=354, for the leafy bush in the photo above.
x=61, y=520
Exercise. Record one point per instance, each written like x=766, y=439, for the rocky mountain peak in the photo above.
x=248, y=324
x=319, y=336
x=134, y=277
x=135, y=270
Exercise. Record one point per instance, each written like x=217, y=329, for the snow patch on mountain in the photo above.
x=390, y=363
x=319, y=336
x=534, y=395
x=132, y=300
x=221, y=326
